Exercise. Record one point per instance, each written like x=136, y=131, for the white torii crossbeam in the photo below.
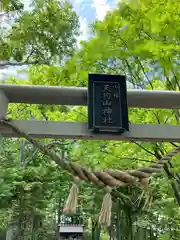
x=78, y=96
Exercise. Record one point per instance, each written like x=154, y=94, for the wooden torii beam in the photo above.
x=78, y=96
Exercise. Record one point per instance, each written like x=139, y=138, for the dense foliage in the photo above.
x=139, y=39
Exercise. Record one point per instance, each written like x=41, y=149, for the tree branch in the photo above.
x=139, y=145
x=44, y=115
x=170, y=176
x=155, y=114
x=145, y=74
x=4, y=64
x=173, y=144
x=128, y=158
x=50, y=145
x=80, y=113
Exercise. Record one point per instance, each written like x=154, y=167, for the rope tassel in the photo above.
x=71, y=203
x=105, y=213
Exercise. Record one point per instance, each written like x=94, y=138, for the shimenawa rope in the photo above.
x=111, y=178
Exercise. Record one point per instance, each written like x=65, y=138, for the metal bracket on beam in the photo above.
x=3, y=105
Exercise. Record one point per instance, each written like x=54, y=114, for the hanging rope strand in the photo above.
x=109, y=177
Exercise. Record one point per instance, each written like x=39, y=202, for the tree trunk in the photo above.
x=118, y=223
x=96, y=230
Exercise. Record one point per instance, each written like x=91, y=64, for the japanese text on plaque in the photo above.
x=109, y=94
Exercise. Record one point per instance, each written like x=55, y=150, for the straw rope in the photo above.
x=109, y=177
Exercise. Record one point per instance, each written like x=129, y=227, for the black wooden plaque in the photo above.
x=107, y=103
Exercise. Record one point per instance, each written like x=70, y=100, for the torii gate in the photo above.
x=78, y=96
x=108, y=178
